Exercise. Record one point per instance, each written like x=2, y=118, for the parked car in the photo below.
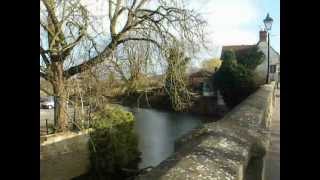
x=47, y=103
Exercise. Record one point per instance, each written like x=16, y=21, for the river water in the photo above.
x=158, y=130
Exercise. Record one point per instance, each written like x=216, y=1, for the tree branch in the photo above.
x=46, y=91
x=44, y=57
x=44, y=76
x=52, y=16
x=139, y=39
x=51, y=11
x=68, y=48
x=141, y=4
x=115, y=16
x=110, y=13
x=46, y=28
x=91, y=62
x=102, y=56
x=153, y=23
x=118, y=4
x=133, y=4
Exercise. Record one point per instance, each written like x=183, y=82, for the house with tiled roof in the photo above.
x=262, y=45
x=200, y=82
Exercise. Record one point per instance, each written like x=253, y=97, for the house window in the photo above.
x=273, y=68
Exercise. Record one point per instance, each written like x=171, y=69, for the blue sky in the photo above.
x=235, y=22
x=273, y=7
x=230, y=22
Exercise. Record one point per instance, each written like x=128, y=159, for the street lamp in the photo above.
x=268, y=24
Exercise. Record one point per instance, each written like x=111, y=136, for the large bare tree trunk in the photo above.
x=58, y=83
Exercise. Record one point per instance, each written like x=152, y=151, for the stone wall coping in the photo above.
x=57, y=137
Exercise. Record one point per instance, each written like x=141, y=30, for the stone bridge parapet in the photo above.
x=222, y=150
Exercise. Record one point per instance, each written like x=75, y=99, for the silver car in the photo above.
x=47, y=103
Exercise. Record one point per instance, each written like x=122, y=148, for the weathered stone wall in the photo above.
x=64, y=156
x=223, y=149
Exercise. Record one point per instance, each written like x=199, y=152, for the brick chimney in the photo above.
x=263, y=36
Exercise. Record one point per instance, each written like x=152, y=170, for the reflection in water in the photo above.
x=158, y=130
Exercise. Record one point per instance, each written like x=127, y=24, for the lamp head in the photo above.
x=268, y=22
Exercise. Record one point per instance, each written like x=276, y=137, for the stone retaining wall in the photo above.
x=223, y=149
x=64, y=156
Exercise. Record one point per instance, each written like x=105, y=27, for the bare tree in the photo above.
x=64, y=27
x=133, y=62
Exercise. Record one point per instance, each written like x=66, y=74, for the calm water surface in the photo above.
x=158, y=130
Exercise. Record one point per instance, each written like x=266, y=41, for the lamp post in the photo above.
x=268, y=24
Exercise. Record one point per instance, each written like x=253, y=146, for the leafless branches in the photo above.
x=68, y=30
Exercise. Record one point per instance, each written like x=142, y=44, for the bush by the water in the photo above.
x=234, y=80
x=114, y=147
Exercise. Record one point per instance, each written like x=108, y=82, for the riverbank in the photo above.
x=158, y=133
x=200, y=105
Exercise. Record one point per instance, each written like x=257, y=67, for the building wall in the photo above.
x=274, y=60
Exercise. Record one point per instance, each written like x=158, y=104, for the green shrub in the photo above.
x=235, y=81
x=250, y=58
x=114, y=144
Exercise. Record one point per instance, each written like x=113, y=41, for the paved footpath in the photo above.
x=272, y=159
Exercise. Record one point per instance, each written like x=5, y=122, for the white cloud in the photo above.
x=228, y=20
x=234, y=37
x=232, y=13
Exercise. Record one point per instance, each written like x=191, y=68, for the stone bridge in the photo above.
x=230, y=149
